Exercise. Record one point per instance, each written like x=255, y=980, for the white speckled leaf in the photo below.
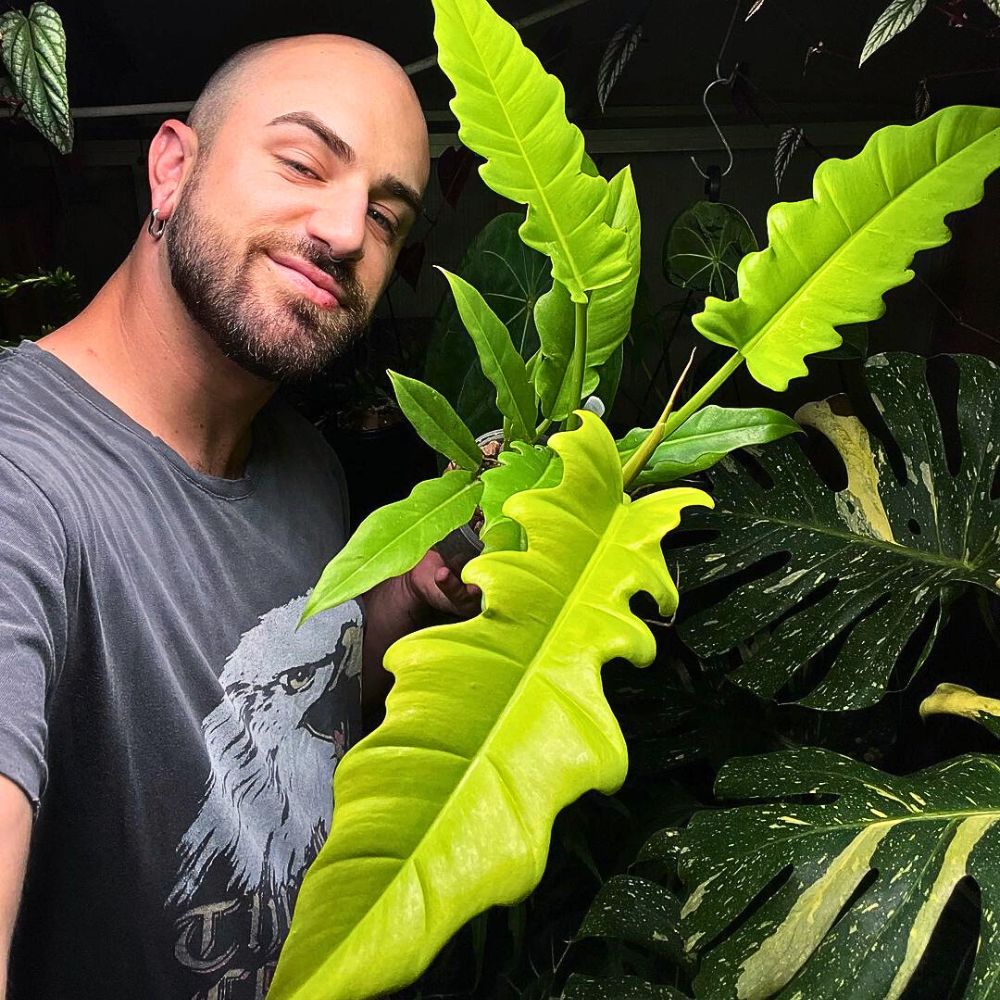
x=621, y=988
x=921, y=833
x=877, y=589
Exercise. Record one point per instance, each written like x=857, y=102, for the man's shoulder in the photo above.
x=299, y=440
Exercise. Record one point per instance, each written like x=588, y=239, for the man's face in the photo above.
x=286, y=233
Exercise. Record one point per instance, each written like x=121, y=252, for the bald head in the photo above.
x=252, y=62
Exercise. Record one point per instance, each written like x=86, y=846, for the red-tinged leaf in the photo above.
x=410, y=262
x=454, y=166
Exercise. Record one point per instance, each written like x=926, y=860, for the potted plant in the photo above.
x=496, y=723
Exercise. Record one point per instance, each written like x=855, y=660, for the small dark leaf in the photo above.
x=454, y=166
x=616, y=57
x=410, y=262
x=922, y=99
x=743, y=94
x=788, y=145
x=814, y=50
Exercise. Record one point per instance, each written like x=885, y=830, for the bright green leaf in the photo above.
x=394, y=538
x=512, y=112
x=921, y=834
x=865, y=568
x=522, y=467
x=898, y=16
x=511, y=277
x=436, y=421
x=609, y=311
x=953, y=699
x=831, y=258
x=492, y=726
x=703, y=439
x=34, y=52
x=500, y=362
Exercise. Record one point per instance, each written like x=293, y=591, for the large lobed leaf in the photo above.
x=866, y=567
x=919, y=834
x=831, y=258
x=493, y=725
x=34, y=53
x=512, y=112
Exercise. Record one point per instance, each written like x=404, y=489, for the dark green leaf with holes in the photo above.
x=638, y=912
x=621, y=988
x=34, y=54
x=866, y=567
x=893, y=848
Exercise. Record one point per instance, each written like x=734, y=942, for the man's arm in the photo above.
x=399, y=606
x=15, y=832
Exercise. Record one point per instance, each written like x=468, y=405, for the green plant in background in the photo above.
x=495, y=724
x=33, y=50
x=59, y=284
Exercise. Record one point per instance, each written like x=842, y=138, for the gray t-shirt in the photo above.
x=176, y=732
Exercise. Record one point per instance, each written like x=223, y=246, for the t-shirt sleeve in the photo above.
x=33, y=623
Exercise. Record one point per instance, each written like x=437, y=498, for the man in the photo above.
x=161, y=522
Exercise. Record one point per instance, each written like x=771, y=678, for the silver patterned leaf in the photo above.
x=888, y=851
x=616, y=57
x=788, y=145
x=898, y=16
x=34, y=54
x=863, y=570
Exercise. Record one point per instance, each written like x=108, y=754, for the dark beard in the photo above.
x=291, y=341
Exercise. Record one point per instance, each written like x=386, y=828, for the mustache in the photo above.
x=342, y=271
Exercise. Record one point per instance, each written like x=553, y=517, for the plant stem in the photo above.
x=702, y=395
x=578, y=363
x=641, y=456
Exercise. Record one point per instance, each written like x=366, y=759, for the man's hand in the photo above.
x=435, y=589
x=427, y=593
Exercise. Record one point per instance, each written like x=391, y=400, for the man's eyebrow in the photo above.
x=341, y=149
x=410, y=196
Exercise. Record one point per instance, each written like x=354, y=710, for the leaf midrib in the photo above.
x=820, y=272
x=561, y=237
x=916, y=555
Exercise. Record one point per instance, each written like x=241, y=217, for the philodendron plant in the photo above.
x=496, y=723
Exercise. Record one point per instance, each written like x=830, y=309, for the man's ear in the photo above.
x=172, y=156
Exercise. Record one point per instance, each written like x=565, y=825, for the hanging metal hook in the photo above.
x=718, y=131
x=714, y=174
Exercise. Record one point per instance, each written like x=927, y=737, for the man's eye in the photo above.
x=383, y=221
x=298, y=680
x=299, y=168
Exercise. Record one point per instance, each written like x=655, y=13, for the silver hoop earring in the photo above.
x=156, y=225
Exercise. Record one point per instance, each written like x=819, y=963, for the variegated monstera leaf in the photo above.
x=865, y=569
x=917, y=835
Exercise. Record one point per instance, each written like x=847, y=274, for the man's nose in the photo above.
x=340, y=223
